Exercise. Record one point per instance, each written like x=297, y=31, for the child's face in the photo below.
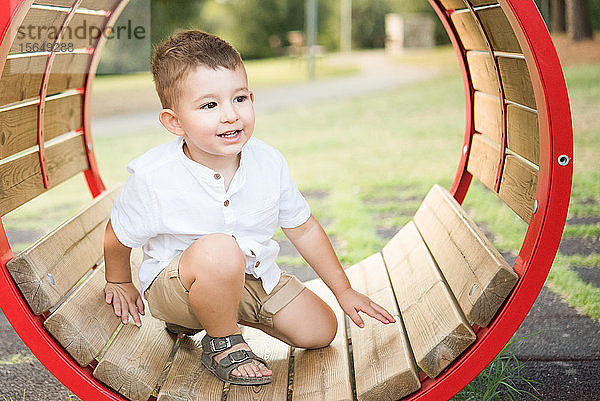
x=215, y=113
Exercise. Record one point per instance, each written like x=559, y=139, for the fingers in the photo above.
x=109, y=297
x=140, y=305
x=124, y=309
x=356, y=318
x=375, y=311
x=382, y=314
x=134, y=314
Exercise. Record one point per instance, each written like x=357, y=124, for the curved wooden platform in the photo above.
x=456, y=299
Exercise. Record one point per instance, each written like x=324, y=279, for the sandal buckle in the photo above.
x=220, y=344
x=233, y=359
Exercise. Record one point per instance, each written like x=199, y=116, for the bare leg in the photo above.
x=306, y=322
x=212, y=269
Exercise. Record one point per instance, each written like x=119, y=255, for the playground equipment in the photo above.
x=459, y=300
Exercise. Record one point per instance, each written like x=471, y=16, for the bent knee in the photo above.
x=217, y=254
x=323, y=336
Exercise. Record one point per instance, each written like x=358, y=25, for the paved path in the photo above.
x=377, y=74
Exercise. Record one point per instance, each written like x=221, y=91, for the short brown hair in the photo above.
x=175, y=56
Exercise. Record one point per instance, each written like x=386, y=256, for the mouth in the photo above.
x=230, y=134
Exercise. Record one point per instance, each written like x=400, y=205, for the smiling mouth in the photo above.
x=230, y=134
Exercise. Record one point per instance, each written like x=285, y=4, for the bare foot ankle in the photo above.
x=250, y=369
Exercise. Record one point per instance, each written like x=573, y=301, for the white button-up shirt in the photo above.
x=169, y=201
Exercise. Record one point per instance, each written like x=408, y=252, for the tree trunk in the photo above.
x=558, y=17
x=579, y=23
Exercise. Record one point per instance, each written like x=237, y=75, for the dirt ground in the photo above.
x=584, y=52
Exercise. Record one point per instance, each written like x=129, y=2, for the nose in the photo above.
x=229, y=113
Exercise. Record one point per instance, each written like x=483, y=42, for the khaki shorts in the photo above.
x=169, y=301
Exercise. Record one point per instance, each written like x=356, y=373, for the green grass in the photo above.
x=503, y=379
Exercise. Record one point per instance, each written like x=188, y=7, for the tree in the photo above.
x=170, y=15
x=579, y=24
x=558, y=19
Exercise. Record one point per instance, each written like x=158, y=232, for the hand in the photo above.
x=126, y=300
x=353, y=302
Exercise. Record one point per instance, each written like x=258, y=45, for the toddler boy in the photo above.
x=204, y=209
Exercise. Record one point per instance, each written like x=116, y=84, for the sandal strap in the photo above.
x=214, y=345
x=240, y=357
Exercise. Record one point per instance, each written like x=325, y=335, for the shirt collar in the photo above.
x=207, y=174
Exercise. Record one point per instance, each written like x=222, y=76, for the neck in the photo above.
x=222, y=164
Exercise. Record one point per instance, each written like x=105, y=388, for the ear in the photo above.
x=170, y=121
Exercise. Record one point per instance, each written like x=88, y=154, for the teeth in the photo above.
x=228, y=134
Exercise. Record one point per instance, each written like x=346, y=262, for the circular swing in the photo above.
x=459, y=301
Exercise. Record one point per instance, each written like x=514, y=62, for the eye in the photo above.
x=240, y=99
x=210, y=105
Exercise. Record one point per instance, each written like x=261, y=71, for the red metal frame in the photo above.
x=44, y=91
x=535, y=257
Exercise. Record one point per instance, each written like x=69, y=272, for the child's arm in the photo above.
x=313, y=244
x=119, y=288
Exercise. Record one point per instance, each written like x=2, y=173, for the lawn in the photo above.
x=366, y=163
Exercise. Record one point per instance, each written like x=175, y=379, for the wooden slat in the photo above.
x=48, y=21
x=478, y=275
x=89, y=4
x=516, y=81
x=383, y=361
x=48, y=269
x=518, y=186
x=188, y=379
x=523, y=133
x=488, y=116
x=468, y=31
x=483, y=74
x=483, y=2
x=437, y=329
x=45, y=23
x=21, y=179
x=499, y=30
x=453, y=4
x=514, y=74
x=18, y=126
x=136, y=358
x=84, y=323
x=484, y=160
x=22, y=77
x=277, y=354
x=323, y=374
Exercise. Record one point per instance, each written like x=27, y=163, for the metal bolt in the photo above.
x=51, y=279
x=535, y=206
x=563, y=160
x=465, y=148
x=89, y=147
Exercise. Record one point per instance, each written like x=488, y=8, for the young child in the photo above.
x=204, y=209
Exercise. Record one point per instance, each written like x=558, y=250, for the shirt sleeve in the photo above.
x=132, y=215
x=293, y=208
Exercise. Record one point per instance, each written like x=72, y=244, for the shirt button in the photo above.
x=257, y=264
x=217, y=176
x=226, y=203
